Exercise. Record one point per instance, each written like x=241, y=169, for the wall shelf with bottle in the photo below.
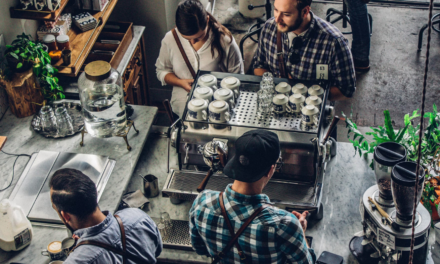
x=46, y=14
x=82, y=43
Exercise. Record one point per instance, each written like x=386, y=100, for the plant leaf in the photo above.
x=19, y=65
x=389, y=125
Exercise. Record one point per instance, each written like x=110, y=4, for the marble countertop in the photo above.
x=70, y=84
x=22, y=139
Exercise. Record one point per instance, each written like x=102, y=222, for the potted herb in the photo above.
x=22, y=53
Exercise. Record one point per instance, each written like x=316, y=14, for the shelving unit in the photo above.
x=38, y=15
x=81, y=43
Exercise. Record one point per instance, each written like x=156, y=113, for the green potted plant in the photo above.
x=22, y=52
x=408, y=136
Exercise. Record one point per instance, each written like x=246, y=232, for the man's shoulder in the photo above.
x=131, y=216
x=278, y=217
x=327, y=28
x=207, y=198
x=270, y=26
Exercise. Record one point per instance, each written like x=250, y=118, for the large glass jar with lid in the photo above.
x=102, y=99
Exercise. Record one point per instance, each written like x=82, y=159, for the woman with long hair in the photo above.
x=207, y=44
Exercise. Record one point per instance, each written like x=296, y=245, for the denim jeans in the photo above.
x=360, y=26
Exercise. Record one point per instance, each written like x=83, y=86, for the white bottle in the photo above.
x=15, y=229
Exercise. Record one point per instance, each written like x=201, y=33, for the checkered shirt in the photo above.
x=323, y=43
x=274, y=236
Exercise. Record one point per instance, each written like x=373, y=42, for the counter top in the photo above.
x=22, y=139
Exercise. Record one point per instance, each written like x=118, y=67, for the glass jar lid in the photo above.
x=63, y=39
x=48, y=38
x=97, y=70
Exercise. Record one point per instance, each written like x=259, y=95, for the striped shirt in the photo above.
x=323, y=43
x=274, y=236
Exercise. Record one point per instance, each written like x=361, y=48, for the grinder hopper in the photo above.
x=386, y=155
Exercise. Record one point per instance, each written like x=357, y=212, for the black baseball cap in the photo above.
x=255, y=152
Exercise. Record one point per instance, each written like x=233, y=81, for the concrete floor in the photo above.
x=395, y=80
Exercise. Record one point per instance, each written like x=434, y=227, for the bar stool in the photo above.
x=435, y=21
x=345, y=17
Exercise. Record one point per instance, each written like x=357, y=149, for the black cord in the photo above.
x=13, y=166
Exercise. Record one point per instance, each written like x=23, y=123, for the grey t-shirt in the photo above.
x=142, y=239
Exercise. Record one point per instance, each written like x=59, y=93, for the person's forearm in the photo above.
x=172, y=79
x=260, y=71
x=336, y=95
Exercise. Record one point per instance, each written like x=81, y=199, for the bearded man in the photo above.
x=297, y=44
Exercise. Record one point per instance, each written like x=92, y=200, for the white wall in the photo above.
x=10, y=27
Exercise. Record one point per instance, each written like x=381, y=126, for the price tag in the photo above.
x=321, y=71
x=386, y=238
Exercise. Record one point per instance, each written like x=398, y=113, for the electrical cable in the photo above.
x=13, y=166
x=419, y=149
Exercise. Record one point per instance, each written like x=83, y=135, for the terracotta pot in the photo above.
x=435, y=216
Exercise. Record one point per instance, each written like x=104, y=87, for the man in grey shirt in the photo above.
x=74, y=197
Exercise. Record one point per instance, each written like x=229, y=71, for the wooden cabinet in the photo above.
x=135, y=78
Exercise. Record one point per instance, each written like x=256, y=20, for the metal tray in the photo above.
x=74, y=110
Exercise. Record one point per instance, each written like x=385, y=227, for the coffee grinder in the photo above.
x=386, y=210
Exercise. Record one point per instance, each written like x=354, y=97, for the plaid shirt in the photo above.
x=273, y=236
x=323, y=43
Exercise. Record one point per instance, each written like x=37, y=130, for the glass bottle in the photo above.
x=102, y=99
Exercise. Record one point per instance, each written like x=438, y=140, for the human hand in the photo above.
x=186, y=84
x=302, y=218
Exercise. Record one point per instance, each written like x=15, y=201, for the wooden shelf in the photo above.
x=38, y=15
x=81, y=43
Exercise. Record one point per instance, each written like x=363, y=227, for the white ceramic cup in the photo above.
x=314, y=100
x=296, y=103
x=316, y=90
x=219, y=112
x=208, y=80
x=226, y=95
x=204, y=93
x=280, y=104
x=197, y=109
x=233, y=84
x=300, y=88
x=309, y=115
x=283, y=88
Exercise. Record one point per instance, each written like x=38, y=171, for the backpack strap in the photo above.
x=179, y=44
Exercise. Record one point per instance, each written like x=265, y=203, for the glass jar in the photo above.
x=49, y=41
x=386, y=155
x=102, y=99
x=63, y=42
x=64, y=122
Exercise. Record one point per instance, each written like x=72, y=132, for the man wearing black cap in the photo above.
x=240, y=225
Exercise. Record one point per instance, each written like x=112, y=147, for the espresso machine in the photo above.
x=203, y=149
x=386, y=211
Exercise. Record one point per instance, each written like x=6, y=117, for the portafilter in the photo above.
x=215, y=156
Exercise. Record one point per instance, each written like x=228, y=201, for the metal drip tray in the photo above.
x=32, y=190
x=285, y=194
x=178, y=236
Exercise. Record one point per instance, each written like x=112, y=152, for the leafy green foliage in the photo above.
x=379, y=134
x=25, y=50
